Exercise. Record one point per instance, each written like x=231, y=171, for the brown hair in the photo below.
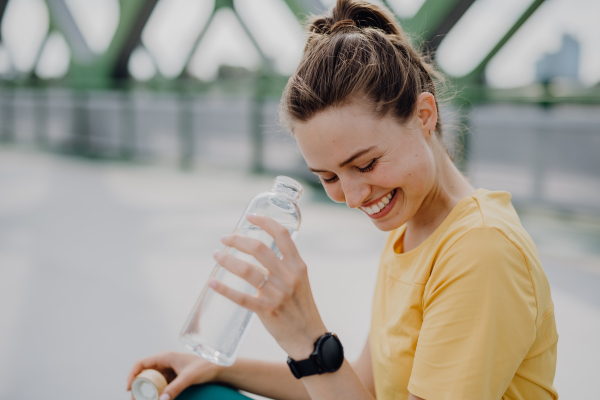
x=358, y=50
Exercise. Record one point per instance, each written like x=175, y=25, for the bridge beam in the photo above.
x=434, y=20
x=111, y=67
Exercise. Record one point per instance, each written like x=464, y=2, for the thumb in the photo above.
x=173, y=389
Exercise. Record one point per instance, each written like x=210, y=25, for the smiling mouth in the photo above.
x=381, y=204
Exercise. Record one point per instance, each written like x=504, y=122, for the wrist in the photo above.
x=328, y=356
x=301, y=351
x=303, y=347
x=219, y=373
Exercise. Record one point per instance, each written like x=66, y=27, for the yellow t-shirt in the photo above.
x=467, y=314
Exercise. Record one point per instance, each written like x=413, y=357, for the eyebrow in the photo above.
x=348, y=161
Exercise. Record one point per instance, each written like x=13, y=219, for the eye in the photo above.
x=330, y=180
x=369, y=167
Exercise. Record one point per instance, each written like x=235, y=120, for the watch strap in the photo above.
x=304, y=367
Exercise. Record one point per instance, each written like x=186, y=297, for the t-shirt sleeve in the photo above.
x=479, y=313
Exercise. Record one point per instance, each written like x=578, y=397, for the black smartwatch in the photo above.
x=328, y=356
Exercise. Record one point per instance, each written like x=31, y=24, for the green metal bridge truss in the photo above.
x=430, y=24
x=89, y=72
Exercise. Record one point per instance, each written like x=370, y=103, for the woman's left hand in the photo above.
x=284, y=303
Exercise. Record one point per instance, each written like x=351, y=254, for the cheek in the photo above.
x=415, y=172
x=422, y=171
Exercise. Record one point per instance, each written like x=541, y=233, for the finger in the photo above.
x=158, y=361
x=255, y=248
x=133, y=373
x=177, y=386
x=245, y=300
x=251, y=273
x=282, y=237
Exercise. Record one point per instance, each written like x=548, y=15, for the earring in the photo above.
x=430, y=132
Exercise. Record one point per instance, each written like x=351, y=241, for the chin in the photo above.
x=390, y=224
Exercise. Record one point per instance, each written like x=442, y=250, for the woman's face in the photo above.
x=378, y=166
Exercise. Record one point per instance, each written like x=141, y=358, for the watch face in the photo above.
x=332, y=354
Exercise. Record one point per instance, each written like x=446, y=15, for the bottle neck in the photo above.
x=288, y=187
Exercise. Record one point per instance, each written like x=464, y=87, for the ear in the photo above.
x=426, y=112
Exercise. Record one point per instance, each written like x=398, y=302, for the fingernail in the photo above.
x=225, y=237
x=212, y=284
x=165, y=396
x=216, y=253
x=250, y=215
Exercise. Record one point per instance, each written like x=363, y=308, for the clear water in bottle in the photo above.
x=216, y=325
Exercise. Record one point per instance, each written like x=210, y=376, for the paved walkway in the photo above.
x=100, y=264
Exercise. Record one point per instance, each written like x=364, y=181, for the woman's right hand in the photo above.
x=180, y=369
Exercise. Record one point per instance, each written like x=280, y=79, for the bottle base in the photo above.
x=208, y=353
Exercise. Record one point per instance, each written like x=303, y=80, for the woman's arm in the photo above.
x=182, y=370
x=275, y=380
x=342, y=384
x=364, y=369
x=268, y=379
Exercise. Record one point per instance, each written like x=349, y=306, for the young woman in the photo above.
x=462, y=307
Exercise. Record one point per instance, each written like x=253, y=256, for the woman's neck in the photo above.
x=449, y=188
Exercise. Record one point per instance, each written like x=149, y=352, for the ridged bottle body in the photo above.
x=216, y=326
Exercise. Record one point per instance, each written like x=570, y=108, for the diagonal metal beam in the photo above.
x=196, y=43
x=454, y=14
x=435, y=17
x=133, y=39
x=267, y=61
x=3, y=4
x=112, y=64
x=478, y=72
x=62, y=19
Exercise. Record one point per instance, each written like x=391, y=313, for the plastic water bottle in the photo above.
x=216, y=325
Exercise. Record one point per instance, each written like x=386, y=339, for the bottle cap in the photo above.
x=148, y=385
x=288, y=186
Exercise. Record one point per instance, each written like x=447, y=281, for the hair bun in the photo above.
x=355, y=13
x=365, y=15
x=342, y=24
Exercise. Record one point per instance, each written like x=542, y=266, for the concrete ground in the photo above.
x=100, y=264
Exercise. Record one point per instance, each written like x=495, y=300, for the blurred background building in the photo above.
x=133, y=132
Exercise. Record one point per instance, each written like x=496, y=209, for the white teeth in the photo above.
x=374, y=209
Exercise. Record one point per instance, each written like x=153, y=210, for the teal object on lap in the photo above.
x=211, y=392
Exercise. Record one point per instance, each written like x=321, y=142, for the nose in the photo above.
x=355, y=191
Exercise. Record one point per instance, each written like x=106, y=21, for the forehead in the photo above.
x=332, y=135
